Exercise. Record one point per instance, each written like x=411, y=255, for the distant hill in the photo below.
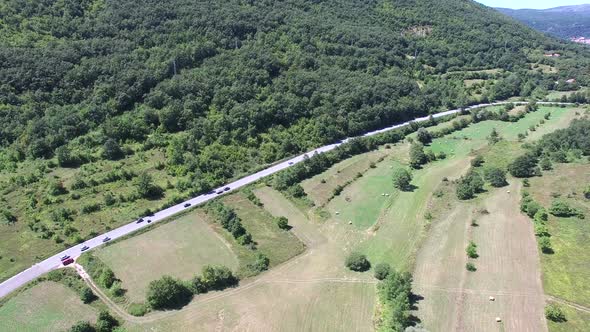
x=564, y=22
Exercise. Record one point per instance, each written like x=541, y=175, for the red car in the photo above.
x=68, y=261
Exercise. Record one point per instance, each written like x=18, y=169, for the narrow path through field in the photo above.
x=568, y=303
x=102, y=296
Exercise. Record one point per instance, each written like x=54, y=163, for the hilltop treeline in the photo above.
x=241, y=80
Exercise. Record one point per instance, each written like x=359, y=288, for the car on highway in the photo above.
x=64, y=257
x=187, y=205
x=226, y=188
x=290, y=163
x=220, y=192
x=67, y=261
x=84, y=248
x=106, y=239
x=149, y=221
x=140, y=220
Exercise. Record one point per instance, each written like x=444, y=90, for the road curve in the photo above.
x=54, y=262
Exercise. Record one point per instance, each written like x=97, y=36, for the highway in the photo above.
x=54, y=262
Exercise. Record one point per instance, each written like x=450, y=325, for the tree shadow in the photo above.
x=414, y=300
x=410, y=188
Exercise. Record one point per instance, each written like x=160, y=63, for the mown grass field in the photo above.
x=179, y=248
x=48, y=306
x=362, y=201
x=320, y=188
x=566, y=272
x=277, y=244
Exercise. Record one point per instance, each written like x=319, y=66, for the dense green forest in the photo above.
x=278, y=76
x=126, y=102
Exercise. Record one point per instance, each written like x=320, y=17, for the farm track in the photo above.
x=567, y=303
x=154, y=317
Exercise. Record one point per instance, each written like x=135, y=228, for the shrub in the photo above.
x=137, y=309
x=464, y=191
x=401, y=178
x=283, y=223
x=382, y=271
x=469, y=185
x=394, y=293
x=545, y=164
x=471, y=250
x=106, y=322
x=560, y=208
x=82, y=326
x=523, y=166
x=56, y=188
x=545, y=244
x=470, y=267
x=197, y=286
x=93, y=207
x=260, y=264
x=111, y=150
x=417, y=155
x=146, y=187
x=86, y=295
x=218, y=277
x=495, y=176
x=477, y=161
x=494, y=137
x=554, y=313
x=423, y=136
x=357, y=262
x=167, y=293
x=296, y=190
x=107, y=278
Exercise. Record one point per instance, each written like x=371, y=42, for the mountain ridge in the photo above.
x=563, y=22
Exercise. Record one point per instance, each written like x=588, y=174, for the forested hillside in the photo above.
x=564, y=22
x=123, y=101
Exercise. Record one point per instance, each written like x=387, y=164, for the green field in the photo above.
x=48, y=306
x=278, y=245
x=577, y=321
x=179, y=248
x=364, y=199
x=567, y=271
x=320, y=188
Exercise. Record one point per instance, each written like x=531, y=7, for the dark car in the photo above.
x=290, y=163
x=64, y=257
x=84, y=248
x=149, y=221
x=220, y=192
x=68, y=261
x=140, y=220
x=226, y=189
x=187, y=205
x=106, y=239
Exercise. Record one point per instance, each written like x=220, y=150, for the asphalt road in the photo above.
x=54, y=261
